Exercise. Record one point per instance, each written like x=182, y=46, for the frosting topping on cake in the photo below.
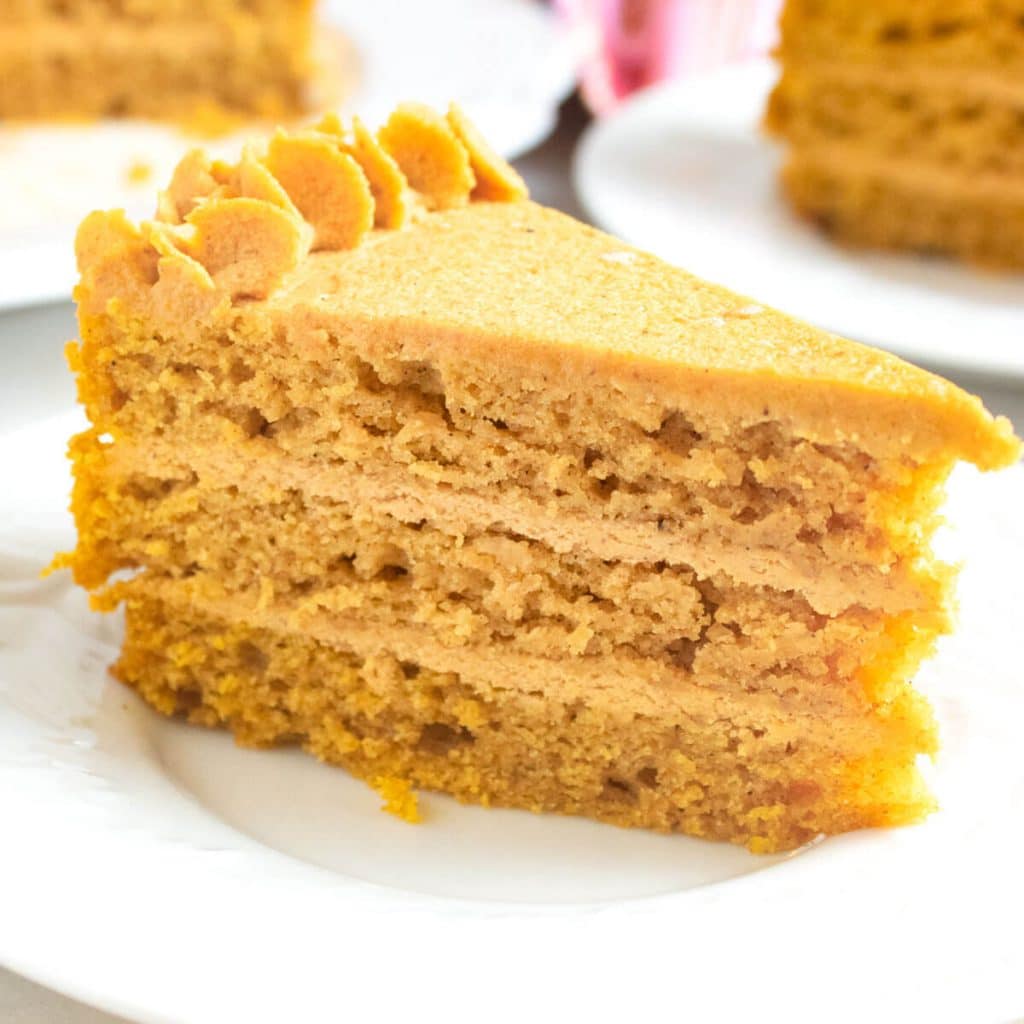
x=233, y=231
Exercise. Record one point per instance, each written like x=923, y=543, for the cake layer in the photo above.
x=345, y=567
x=894, y=206
x=770, y=788
x=146, y=61
x=644, y=686
x=615, y=684
x=928, y=33
x=699, y=543
x=454, y=439
x=969, y=123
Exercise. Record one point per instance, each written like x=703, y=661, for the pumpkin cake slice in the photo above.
x=463, y=495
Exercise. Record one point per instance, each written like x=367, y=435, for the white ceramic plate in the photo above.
x=683, y=171
x=155, y=870
x=506, y=61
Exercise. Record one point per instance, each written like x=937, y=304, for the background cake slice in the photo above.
x=156, y=58
x=459, y=493
x=904, y=123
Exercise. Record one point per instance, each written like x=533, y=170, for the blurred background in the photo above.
x=629, y=45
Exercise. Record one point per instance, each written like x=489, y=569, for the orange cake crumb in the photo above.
x=399, y=797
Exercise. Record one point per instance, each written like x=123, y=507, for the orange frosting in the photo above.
x=248, y=224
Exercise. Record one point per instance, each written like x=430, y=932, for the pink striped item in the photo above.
x=632, y=44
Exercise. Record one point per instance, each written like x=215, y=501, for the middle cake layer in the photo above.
x=459, y=597
x=843, y=526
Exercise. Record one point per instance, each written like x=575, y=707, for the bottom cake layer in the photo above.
x=397, y=722
x=890, y=206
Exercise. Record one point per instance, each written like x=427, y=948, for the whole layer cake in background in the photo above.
x=464, y=495
x=904, y=123
x=165, y=59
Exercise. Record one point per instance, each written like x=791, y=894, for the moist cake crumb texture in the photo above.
x=904, y=123
x=389, y=462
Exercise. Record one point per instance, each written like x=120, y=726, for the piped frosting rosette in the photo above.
x=232, y=231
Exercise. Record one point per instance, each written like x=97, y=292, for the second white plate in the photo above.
x=684, y=171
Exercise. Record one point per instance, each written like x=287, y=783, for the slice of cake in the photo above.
x=464, y=495
x=154, y=58
x=904, y=123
